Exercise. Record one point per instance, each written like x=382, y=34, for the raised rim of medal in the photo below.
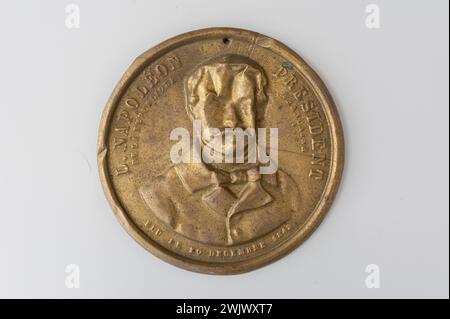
x=226, y=35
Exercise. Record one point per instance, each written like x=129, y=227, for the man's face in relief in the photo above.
x=226, y=94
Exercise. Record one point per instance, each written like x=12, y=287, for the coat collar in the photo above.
x=197, y=177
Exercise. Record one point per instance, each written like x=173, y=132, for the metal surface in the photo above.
x=222, y=218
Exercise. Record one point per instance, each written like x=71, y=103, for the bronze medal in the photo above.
x=186, y=188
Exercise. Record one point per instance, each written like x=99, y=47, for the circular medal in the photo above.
x=220, y=150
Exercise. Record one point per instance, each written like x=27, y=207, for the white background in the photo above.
x=391, y=89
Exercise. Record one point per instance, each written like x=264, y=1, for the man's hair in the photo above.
x=239, y=65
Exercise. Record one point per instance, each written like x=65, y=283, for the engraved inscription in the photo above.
x=307, y=113
x=159, y=77
x=246, y=250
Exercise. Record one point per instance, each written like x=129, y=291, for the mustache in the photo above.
x=224, y=131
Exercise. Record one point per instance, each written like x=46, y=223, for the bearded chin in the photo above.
x=226, y=150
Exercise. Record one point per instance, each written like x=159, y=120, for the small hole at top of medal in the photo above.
x=226, y=41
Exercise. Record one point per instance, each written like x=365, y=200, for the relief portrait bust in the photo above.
x=223, y=203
